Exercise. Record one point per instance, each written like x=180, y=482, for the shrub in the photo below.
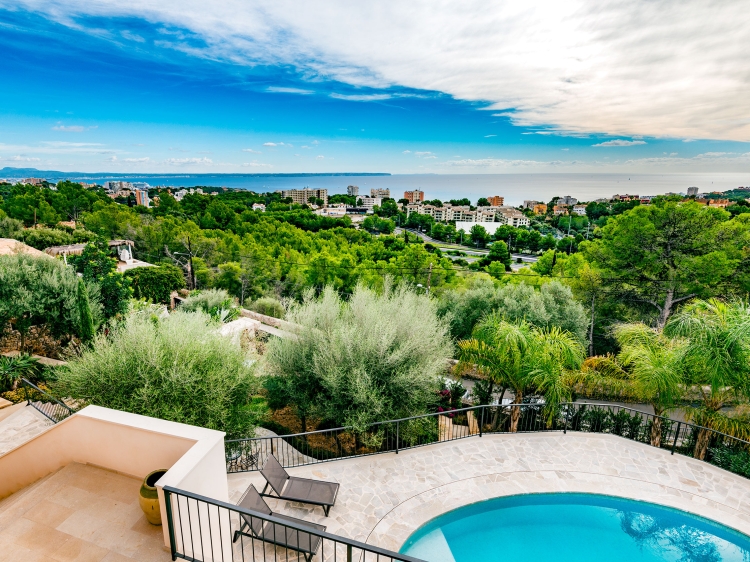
x=176, y=368
x=737, y=461
x=268, y=306
x=155, y=283
x=215, y=302
x=40, y=290
x=97, y=266
x=375, y=357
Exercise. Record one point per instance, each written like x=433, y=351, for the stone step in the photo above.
x=22, y=426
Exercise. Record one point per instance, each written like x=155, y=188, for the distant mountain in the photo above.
x=15, y=172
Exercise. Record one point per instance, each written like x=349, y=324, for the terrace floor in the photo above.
x=384, y=498
x=80, y=513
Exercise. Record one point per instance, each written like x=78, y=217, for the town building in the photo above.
x=352, y=190
x=496, y=201
x=719, y=203
x=33, y=181
x=369, y=202
x=567, y=200
x=559, y=210
x=579, y=210
x=335, y=210
x=259, y=207
x=382, y=193
x=302, y=196
x=625, y=197
x=141, y=198
x=513, y=217
x=115, y=186
x=530, y=204
x=540, y=209
x=416, y=196
x=692, y=191
x=178, y=195
x=448, y=212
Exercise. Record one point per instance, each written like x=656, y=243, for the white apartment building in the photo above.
x=352, y=190
x=382, y=193
x=513, y=217
x=448, y=213
x=302, y=196
x=369, y=202
x=579, y=210
x=259, y=207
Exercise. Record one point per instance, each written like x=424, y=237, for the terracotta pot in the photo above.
x=149, y=497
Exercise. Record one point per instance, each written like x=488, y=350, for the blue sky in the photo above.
x=240, y=87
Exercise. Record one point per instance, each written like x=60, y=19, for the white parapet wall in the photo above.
x=127, y=443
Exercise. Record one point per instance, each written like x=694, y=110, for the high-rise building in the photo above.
x=692, y=191
x=302, y=196
x=496, y=201
x=416, y=196
x=141, y=197
x=352, y=190
x=382, y=193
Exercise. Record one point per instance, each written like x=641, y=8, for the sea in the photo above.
x=514, y=187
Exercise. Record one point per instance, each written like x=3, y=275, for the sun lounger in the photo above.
x=291, y=488
x=294, y=539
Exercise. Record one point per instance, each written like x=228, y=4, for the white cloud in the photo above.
x=320, y=157
x=278, y=144
x=269, y=144
x=69, y=128
x=500, y=163
x=254, y=164
x=620, y=142
x=188, y=161
x=662, y=69
x=425, y=154
x=489, y=136
x=251, y=150
x=565, y=149
x=136, y=160
x=362, y=97
x=406, y=152
x=19, y=158
x=132, y=36
x=281, y=90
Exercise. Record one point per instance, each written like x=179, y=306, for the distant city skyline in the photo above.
x=463, y=88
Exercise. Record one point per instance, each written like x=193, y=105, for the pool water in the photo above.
x=576, y=528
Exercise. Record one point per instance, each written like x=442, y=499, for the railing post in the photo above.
x=676, y=435
x=481, y=420
x=398, y=423
x=565, y=427
x=348, y=553
x=272, y=445
x=170, y=523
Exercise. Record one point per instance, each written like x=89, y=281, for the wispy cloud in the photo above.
x=137, y=160
x=362, y=97
x=271, y=144
x=425, y=154
x=188, y=161
x=20, y=158
x=69, y=128
x=489, y=136
x=254, y=164
x=251, y=150
x=284, y=90
x=406, y=152
x=620, y=142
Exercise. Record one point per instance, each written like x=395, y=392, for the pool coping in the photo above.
x=394, y=528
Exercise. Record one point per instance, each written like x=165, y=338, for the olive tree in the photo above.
x=370, y=358
x=177, y=368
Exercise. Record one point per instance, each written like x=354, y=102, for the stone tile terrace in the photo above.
x=80, y=513
x=384, y=498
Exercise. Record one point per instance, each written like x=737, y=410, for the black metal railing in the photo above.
x=45, y=403
x=203, y=529
x=325, y=445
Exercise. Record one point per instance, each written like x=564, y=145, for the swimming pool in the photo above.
x=568, y=527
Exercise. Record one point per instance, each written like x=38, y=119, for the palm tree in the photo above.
x=518, y=356
x=717, y=357
x=655, y=364
x=649, y=367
